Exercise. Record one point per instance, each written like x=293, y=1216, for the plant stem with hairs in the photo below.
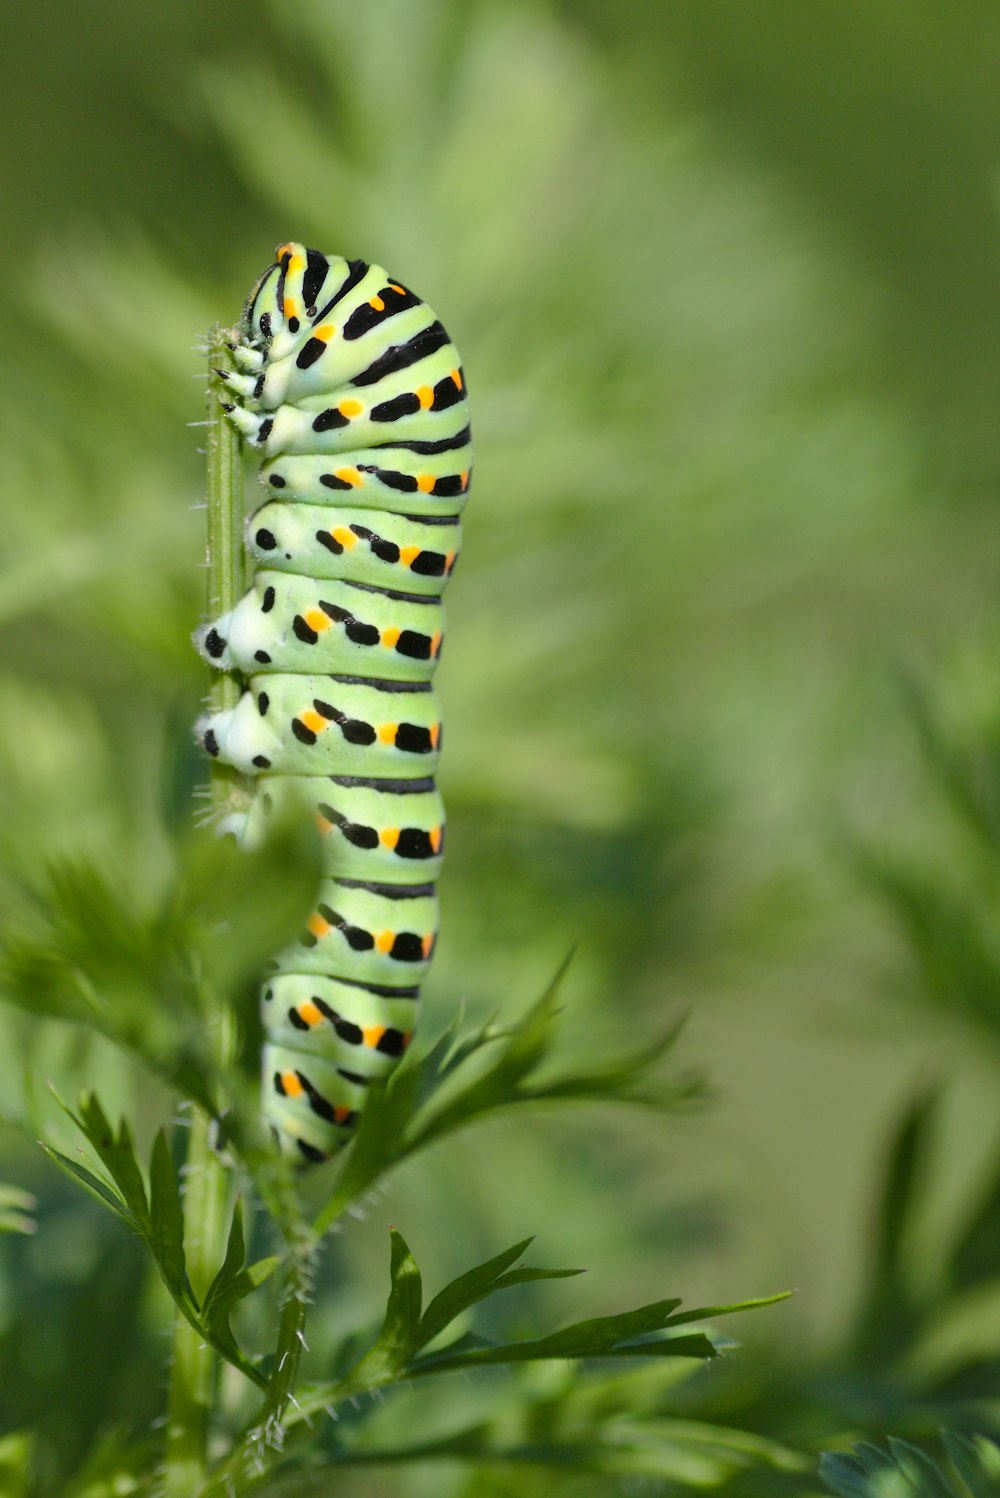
x=208, y=1186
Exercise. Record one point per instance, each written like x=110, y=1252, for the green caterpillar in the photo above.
x=355, y=395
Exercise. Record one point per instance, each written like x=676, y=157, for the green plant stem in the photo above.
x=207, y=1205
x=226, y=582
x=291, y=1331
x=266, y=1432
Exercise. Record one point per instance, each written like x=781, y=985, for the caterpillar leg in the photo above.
x=240, y=384
x=254, y=428
x=211, y=642
x=236, y=824
x=249, y=359
x=239, y=737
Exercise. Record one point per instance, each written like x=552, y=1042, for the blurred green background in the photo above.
x=726, y=283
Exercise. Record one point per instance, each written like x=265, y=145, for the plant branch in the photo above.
x=208, y=1186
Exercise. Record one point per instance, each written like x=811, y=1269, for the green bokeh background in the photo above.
x=726, y=283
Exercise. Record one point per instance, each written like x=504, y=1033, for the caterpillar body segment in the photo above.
x=333, y=725
x=409, y=553
x=337, y=627
x=382, y=934
x=431, y=484
x=351, y=390
x=374, y=831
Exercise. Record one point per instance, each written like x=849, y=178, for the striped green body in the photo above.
x=354, y=394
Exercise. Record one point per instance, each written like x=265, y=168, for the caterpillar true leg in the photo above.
x=354, y=392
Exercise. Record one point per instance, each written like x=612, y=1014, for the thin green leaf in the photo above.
x=166, y=1215
x=425, y=1098
x=94, y=1184
x=924, y=1475
x=117, y=1466
x=545, y=1348
x=233, y=1283
x=890, y=1316
x=906, y=1471
x=234, y=1256
x=899, y=1193
x=975, y=1255
x=17, y=1200
x=599, y=1337
x=584, y=1338
x=968, y=775
x=399, y=1335
x=844, y=1477
x=476, y=1284
x=15, y=1464
x=15, y=1209
x=117, y=1153
x=951, y=937
x=402, y=1313
x=162, y=1229
x=542, y=1432
x=976, y=1462
x=83, y=950
x=709, y=1313
x=630, y=1334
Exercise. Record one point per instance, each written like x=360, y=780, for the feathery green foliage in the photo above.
x=972, y=1471
x=726, y=284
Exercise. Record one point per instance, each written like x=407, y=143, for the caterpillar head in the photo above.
x=276, y=311
x=293, y=294
x=261, y=314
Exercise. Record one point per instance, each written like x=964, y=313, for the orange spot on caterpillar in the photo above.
x=317, y=620
x=290, y=1082
x=313, y=721
x=384, y=940
x=389, y=837
x=387, y=732
x=435, y=642
x=399, y=290
x=324, y=333
x=465, y=479
x=341, y=1113
x=373, y=1034
x=456, y=375
x=310, y=1013
x=427, y=943
x=317, y=925
x=350, y=408
x=349, y=476
x=408, y=553
x=435, y=837
x=390, y=636
x=288, y=306
x=376, y=303
x=346, y=537
x=425, y=395
x=297, y=262
x=435, y=733
x=283, y=249
x=425, y=482
x=449, y=561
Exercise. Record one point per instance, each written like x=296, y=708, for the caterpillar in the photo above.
x=354, y=394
